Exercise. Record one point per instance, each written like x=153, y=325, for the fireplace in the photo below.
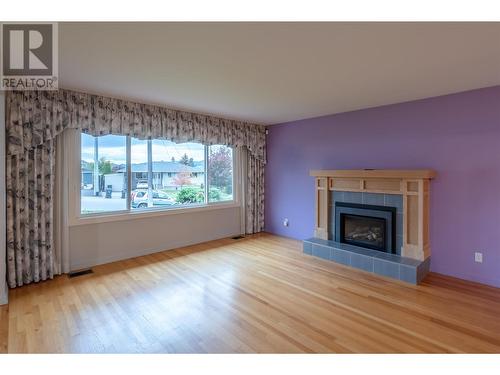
x=373, y=220
x=363, y=225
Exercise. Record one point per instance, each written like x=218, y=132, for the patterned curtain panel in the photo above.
x=34, y=117
x=33, y=121
x=30, y=187
x=254, y=195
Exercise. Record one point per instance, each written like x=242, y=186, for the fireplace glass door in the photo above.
x=364, y=231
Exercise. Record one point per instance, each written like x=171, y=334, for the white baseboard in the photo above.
x=4, y=295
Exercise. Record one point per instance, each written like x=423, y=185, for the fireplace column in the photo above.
x=416, y=219
x=322, y=203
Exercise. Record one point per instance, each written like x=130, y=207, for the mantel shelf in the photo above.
x=376, y=173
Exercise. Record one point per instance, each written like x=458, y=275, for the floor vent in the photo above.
x=80, y=273
x=237, y=237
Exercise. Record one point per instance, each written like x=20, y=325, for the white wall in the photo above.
x=3, y=263
x=92, y=244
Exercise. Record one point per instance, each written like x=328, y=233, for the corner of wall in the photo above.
x=3, y=262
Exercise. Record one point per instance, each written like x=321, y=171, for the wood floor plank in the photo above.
x=260, y=294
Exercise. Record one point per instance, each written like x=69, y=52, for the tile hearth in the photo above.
x=384, y=264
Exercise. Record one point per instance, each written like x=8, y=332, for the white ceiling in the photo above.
x=276, y=72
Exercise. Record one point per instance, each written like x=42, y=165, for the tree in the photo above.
x=184, y=160
x=105, y=166
x=89, y=165
x=173, y=159
x=182, y=178
x=220, y=167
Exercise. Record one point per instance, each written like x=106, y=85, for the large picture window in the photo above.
x=160, y=174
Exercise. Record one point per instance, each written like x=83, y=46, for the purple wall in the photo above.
x=457, y=135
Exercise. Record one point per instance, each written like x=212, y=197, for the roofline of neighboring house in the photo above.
x=162, y=171
x=123, y=171
x=159, y=167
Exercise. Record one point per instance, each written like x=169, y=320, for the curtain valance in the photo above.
x=35, y=117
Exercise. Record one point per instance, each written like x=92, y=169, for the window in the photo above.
x=184, y=186
x=139, y=175
x=103, y=185
x=220, y=173
x=171, y=167
x=162, y=174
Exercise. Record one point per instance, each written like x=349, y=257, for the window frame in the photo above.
x=78, y=218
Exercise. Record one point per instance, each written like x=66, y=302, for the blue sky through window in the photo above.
x=112, y=148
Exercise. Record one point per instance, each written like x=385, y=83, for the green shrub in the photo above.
x=214, y=194
x=189, y=195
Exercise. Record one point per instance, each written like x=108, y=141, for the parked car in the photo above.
x=160, y=198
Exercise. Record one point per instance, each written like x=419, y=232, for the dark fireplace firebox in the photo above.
x=373, y=227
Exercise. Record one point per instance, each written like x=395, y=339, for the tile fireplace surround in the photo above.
x=405, y=190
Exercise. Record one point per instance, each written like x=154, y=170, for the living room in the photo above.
x=250, y=187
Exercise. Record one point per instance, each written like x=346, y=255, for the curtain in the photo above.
x=34, y=119
x=30, y=191
x=61, y=186
x=254, y=197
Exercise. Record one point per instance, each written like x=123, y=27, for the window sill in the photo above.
x=144, y=214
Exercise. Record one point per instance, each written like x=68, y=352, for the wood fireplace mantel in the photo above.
x=376, y=173
x=412, y=184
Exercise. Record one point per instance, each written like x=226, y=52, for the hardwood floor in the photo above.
x=259, y=294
